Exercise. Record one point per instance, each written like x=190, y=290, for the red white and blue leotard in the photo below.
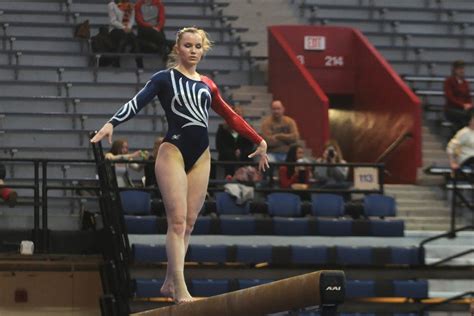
x=186, y=103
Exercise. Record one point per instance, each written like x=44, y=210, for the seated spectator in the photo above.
x=331, y=177
x=122, y=20
x=102, y=44
x=458, y=97
x=231, y=146
x=280, y=132
x=295, y=177
x=119, y=151
x=150, y=17
x=460, y=148
x=150, y=177
x=8, y=195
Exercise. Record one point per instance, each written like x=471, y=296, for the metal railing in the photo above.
x=41, y=186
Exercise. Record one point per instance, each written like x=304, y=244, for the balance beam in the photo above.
x=321, y=288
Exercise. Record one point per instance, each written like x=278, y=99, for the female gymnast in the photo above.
x=183, y=164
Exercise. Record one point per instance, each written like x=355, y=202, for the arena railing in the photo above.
x=41, y=186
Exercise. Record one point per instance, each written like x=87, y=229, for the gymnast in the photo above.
x=183, y=163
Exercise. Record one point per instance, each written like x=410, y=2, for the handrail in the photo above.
x=458, y=255
x=426, y=308
x=449, y=234
x=390, y=149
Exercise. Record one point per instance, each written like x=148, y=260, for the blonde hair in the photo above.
x=335, y=144
x=206, y=43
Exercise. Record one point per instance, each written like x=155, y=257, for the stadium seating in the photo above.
x=317, y=255
x=135, y=202
x=415, y=289
x=379, y=205
x=327, y=205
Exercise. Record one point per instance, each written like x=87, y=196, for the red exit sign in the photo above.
x=314, y=42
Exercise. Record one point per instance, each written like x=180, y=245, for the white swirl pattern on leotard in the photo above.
x=127, y=109
x=192, y=101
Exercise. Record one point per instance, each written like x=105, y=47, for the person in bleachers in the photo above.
x=231, y=146
x=102, y=43
x=7, y=194
x=119, y=151
x=280, y=131
x=331, y=176
x=150, y=177
x=122, y=21
x=460, y=148
x=295, y=177
x=150, y=17
x=458, y=96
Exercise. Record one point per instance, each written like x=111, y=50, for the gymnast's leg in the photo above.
x=198, y=179
x=172, y=181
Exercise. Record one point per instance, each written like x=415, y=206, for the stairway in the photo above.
x=422, y=207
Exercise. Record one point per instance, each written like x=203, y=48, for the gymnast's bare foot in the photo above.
x=181, y=294
x=167, y=289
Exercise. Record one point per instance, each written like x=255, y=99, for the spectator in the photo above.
x=280, y=132
x=119, y=151
x=150, y=177
x=331, y=177
x=102, y=43
x=122, y=20
x=150, y=17
x=296, y=177
x=231, y=146
x=8, y=195
x=460, y=148
x=458, y=97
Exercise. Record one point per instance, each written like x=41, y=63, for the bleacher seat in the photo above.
x=379, y=205
x=309, y=254
x=207, y=288
x=202, y=225
x=208, y=253
x=226, y=205
x=411, y=288
x=405, y=255
x=383, y=228
x=313, y=255
x=254, y=254
x=145, y=288
x=414, y=289
x=354, y=255
x=334, y=227
x=148, y=253
x=141, y=224
x=360, y=288
x=135, y=202
x=327, y=205
x=284, y=204
x=238, y=225
x=243, y=284
x=290, y=226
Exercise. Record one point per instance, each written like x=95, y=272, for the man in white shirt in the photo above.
x=460, y=148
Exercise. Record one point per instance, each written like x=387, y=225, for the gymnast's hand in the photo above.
x=262, y=152
x=106, y=130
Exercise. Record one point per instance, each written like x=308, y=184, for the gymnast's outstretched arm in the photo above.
x=130, y=109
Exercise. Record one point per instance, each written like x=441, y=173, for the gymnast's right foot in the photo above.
x=167, y=290
x=181, y=293
x=183, y=297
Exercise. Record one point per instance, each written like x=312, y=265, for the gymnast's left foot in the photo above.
x=181, y=294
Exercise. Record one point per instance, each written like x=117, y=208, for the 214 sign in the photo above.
x=314, y=42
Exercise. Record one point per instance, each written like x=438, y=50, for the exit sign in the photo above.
x=314, y=42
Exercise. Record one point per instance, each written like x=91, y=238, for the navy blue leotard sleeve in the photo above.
x=138, y=102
